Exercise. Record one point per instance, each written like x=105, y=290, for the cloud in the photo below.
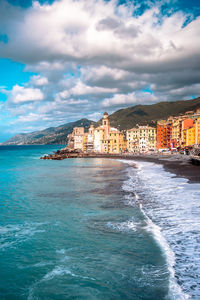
x=39, y=80
x=95, y=116
x=129, y=99
x=20, y=94
x=100, y=32
x=92, y=55
x=81, y=89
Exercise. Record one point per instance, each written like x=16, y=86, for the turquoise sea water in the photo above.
x=91, y=229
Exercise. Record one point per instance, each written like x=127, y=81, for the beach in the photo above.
x=180, y=165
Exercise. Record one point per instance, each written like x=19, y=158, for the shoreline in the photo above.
x=180, y=165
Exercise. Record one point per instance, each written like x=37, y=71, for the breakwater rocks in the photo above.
x=68, y=153
x=65, y=153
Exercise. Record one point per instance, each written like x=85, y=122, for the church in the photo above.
x=108, y=139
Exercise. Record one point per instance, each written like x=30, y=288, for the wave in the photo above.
x=12, y=235
x=123, y=226
x=58, y=271
x=175, y=291
x=145, y=182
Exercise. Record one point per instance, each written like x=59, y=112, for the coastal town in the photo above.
x=181, y=133
x=176, y=135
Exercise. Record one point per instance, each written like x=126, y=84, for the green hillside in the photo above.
x=149, y=114
x=52, y=135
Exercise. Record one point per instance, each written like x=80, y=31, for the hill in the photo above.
x=52, y=135
x=149, y=114
x=123, y=119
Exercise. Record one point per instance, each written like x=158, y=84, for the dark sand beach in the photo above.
x=178, y=164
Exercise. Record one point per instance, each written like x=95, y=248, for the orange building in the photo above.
x=164, y=132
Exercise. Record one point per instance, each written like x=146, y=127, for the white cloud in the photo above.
x=95, y=116
x=72, y=102
x=81, y=89
x=20, y=94
x=39, y=80
x=77, y=35
x=128, y=99
x=29, y=118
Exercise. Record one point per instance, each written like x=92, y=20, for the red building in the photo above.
x=164, y=133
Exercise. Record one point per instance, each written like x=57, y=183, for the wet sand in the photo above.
x=180, y=165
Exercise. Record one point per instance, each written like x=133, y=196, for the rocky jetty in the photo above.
x=65, y=153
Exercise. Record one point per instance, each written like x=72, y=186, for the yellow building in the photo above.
x=176, y=132
x=141, y=139
x=190, y=136
x=183, y=137
x=115, y=142
x=132, y=140
x=108, y=139
x=197, y=131
x=84, y=142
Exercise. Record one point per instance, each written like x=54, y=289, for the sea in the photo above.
x=95, y=228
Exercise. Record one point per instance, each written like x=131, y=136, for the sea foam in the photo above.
x=172, y=219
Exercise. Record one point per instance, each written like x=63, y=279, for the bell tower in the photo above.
x=106, y=125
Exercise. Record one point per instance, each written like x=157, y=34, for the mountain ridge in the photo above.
x=150, y=114
x=123, y=119
x=50, y=135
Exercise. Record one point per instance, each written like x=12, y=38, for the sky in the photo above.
x=69, y=59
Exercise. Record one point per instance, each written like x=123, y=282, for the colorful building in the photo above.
x=141, y=139
x=185, y=125
x=75, y=139
x=164, y=134
x=176, y=132
x=108, y=139
x=191, y=133
x=197, y=131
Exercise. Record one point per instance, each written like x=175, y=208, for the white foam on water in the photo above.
x=12, y=235
x=58, y=271
x=42, y=264
x=61, y=251
x=123, y=226
x=175, y=291
x=65, y=258
x=61, y=271
x=172, y=210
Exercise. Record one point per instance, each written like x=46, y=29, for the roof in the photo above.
x=113, y=129
x=99, y=128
